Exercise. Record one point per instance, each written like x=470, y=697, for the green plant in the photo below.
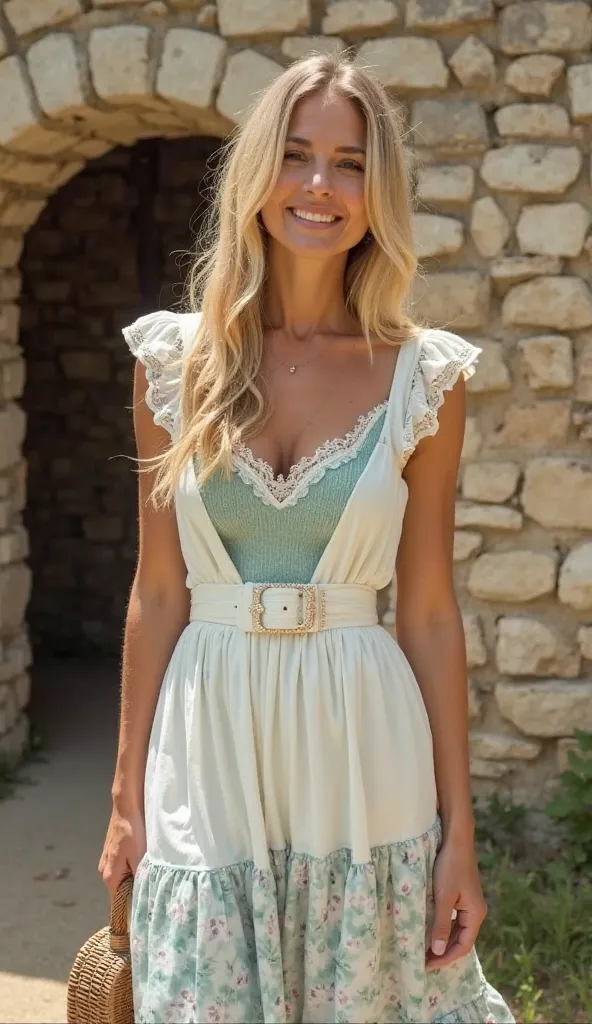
x=535, y=941
x=499, y=828
x=572, y=805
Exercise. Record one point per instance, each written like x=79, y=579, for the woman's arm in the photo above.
x=158, y=611
x=430, y=632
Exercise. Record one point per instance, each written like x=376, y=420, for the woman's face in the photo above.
x=317, y=206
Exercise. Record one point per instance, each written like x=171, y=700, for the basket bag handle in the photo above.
x=119, y=937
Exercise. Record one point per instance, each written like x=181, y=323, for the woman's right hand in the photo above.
x=124, y=847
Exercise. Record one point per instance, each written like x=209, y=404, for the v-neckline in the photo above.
x=280, y=491
x=223, y=553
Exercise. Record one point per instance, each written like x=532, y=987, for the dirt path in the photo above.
x=51, y=834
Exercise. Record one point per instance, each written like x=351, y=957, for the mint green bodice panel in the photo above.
x=284, y=545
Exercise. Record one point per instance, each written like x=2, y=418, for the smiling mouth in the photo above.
x=324, y=220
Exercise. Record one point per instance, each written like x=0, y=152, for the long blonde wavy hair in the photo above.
x=221, y=399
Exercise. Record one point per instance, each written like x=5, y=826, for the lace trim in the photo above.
x=283, y=492
x=156, y=399
x=432, y=397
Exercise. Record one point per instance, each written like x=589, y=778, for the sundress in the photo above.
x=290, y=800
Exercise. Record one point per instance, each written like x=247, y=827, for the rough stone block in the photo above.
x=490, y=228
x=247, y=73
x=86, y=365
x=495, y=746
x=434, y=15
x=21, y=213
x=491, y=373
x=263, y=17
x=10, y=250
x=531, y=167
x=12, y=379
x=575, y=578
x=185, y=50
x=445, y=184
x=406, y=63
x=534, y=75
x=473, y=64
x=579, y=83
x=584, y=381
x=513, y=269
x=533, y=120
x=564, y=303
x=458, y=299
x=55, y=71
x=493, y=517
x=29, y=15
x=17, y=116
x=472, y=440
x=434, y=235
x=466, y=543
x=474, y=702
x=515, y=576
x=552, y=708
x=527, y=647
x=557, y=493
x=490, y=481
x=548, y=361
x=553, y=229
x=450, y=124
x=295, y=47
x=476, y=650
x=540, y=425
x=481, y=769
x=585, y=641
x=350, y=17
x=12, y=434
x=537, y=25
x=102, y=529
x=119, y=63
x=15, y=591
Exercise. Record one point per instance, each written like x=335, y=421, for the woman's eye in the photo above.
x=352, y=165
x=294, y=152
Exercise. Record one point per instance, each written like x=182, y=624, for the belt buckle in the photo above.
x=305, y=625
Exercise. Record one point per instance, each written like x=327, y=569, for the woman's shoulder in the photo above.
x=162, y=334
x=438, y=345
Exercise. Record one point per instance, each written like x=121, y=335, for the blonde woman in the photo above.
x=291, y=789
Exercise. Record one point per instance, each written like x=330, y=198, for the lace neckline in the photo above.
x=283, y=491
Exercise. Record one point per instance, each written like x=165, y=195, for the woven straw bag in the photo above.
x=100, y=982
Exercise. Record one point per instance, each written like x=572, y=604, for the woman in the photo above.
x=291, y=790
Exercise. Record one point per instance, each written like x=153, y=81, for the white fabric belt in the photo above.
x=284, y=608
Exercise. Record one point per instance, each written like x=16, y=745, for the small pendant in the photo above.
x=292, y=369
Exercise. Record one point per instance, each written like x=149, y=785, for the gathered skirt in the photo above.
x=292, y=829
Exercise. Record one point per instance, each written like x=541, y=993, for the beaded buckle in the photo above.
x=306, y=623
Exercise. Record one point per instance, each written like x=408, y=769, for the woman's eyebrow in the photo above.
x=338, y=149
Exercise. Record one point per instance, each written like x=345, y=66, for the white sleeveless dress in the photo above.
x=290, y=798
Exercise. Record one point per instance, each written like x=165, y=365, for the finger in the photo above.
x=462, y=940
x=442, y=923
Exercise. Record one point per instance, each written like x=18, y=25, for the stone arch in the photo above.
x=73, y=85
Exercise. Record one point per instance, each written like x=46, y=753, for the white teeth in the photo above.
x=323, y=218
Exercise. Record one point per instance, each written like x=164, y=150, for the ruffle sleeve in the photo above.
x=156, y=340
x=443, y=357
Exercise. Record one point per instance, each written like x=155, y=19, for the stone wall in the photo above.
x=498, y=100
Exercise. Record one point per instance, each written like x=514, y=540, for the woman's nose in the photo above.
x=320, y=183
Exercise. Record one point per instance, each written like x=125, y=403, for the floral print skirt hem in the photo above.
x=305, y=939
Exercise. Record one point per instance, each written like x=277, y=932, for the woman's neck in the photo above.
x=304, y=297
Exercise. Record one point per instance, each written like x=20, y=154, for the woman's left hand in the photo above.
x=456, y=887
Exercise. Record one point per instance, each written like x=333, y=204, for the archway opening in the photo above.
x=111, y=244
